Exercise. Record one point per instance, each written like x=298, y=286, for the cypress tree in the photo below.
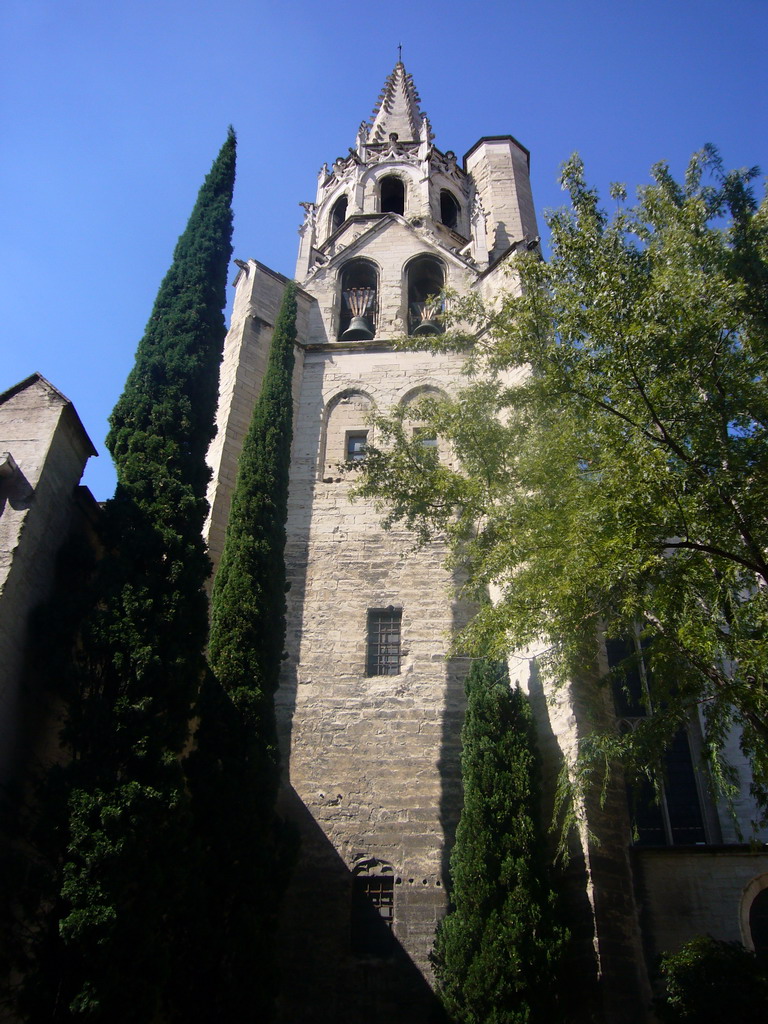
x=160, y=431
x=119, y=862
x=248, y=601
x=233, y=772
x=496, y=953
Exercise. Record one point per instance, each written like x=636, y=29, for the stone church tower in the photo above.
x=370, y=708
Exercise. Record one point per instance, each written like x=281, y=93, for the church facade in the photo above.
x=370, y=706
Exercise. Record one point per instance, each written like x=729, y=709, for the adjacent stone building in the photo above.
x=43, y=451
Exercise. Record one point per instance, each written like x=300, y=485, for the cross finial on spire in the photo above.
x=397, y=109
x=399, y=53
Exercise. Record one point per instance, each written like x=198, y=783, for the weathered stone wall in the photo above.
x=374, y=760
x=739, y=817
x=629, y=903
x=499, y=170
x=691, y=891
x=40, y=429
x=598, y=885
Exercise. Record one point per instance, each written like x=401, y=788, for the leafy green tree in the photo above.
x=119, y=866
x=612, y=447
x=708, y=981
x=498, y=951
x=234, y=771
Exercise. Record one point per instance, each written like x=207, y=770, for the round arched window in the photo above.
x=449, y=209
x=392, y=193
x=338, y=213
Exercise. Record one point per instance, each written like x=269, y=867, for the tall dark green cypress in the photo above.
x=497, y=952
x=248, y=601
x=233, y=772
x=120, y=864
x=160, y=431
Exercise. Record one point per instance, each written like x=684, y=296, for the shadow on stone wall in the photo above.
x=580, y=974
x=321, y=980
x=449, y=765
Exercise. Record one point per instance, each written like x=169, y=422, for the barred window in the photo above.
x=384, y=641
x=373, y=910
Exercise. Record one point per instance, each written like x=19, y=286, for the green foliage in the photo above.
x=128, y=665
x=233, y=773
x=708, y=982
x=498, y=951
x=612, y=451
x=248, y=602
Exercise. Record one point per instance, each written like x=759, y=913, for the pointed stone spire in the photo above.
x=397, y=109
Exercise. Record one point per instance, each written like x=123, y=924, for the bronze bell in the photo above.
x=428, y=327
x=359, y=330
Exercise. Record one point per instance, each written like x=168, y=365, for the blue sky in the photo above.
x=110, y=116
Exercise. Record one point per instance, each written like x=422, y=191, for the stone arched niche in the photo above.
x=450, y=209
x=414, y=423
x=754, y=915
x=346, y=432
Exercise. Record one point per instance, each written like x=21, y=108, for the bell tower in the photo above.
x=370, y=705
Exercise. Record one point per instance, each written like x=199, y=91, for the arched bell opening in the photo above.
x=338, y=214
x=449, y=209
x=359, y=297
x=425, y=282
x=392, y=194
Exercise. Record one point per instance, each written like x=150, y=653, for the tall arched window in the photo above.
x=338, y=213
x=392, y=192
x=425, y=282
x=449, y=209
x=359, y=295
x=670, y=814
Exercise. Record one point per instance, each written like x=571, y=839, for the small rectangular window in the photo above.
x=356, y=446
x=384, y=641
x=425, y=437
